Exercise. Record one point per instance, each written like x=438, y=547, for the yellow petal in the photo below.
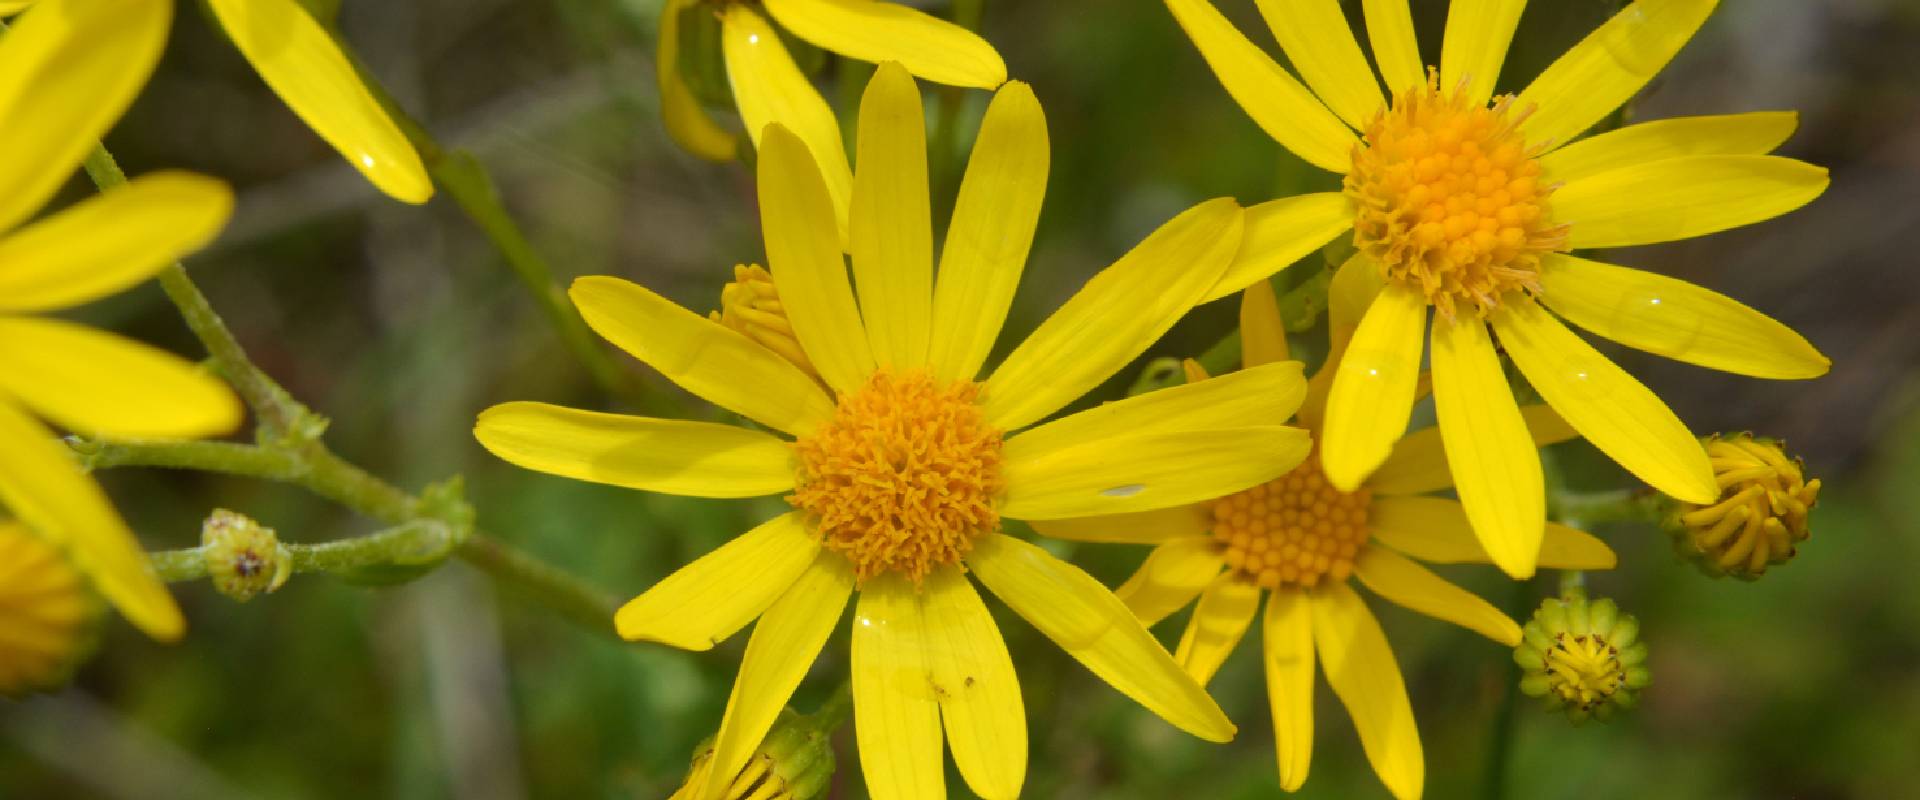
x=1094, y=627
x=1680, y=198
x=891, y=227
x=1397, y=578
x=1605, y=404
x=71, y=67
x=704, y=357
x=42, y=485
x=1278, y=103
x=1591, y=80
x=1279, y=232
x=1436, y=530
x=1474, y=46
x=1263, y=395
x=1495, y=464
x=1146, y=471
x=1372, y=393
x=927, y=46
x=704, y=603
x=1287, y=636
x=768, y=87
x=1676, y=319
x=109, y=242
x=975, y=683
x=779, y=653
x=1419, y=460
x=805, y=259
x=1141, y=527
x=1395, y=48
x=1219, y=621
x=1172, y=576
x=1361, y=668
x=99, y=383
x=1263, y=335
x=1318, y=42
x=1116, y=316
x=686, y=121
x=1355, y=284
x=895, y=718
x=697, y=459
x=301, y=62
x=1755, y=133
x=991, y=231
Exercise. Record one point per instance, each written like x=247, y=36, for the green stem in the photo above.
x=1619, y=505
x=416, y=542
x=832, y=713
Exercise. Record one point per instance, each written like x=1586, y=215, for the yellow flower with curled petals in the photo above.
x=1467, y=204
x=1299, y=539
x=71, y=67
x=47, y=614
x=903, y=462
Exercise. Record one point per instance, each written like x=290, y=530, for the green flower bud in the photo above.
x=1761, y=516
x=243, y=557
x=1584, y=658
x=794, y=762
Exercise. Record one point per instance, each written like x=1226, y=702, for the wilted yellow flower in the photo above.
x=47, y=614
x=903, y=463
x=68, y=68
x=1467, y=204
x=1299, y=538
x=1761, y=516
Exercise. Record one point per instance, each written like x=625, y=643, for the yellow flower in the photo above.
x=1468, y=208
x=901, y=464
x=768, y=87
x=1300, y=539
x=71, y=67
x=47, y=615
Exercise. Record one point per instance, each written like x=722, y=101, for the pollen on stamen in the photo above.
x=904, y=477
x=1294, y=530
x=1449, y=198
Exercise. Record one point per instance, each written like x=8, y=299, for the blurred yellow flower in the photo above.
x=47, y=615
x=901, y=465
x=1469, y=207
x=70, y=67
x=1300, y=539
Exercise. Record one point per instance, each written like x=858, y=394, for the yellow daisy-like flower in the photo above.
x=1299, y=538
x=47, y=615
x=902, y=466
x=69, y=68
x=768, y=87
x=1468, y=207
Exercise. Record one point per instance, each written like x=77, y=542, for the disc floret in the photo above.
x=1294, y=530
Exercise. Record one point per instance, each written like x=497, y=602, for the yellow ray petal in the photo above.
x=1146, y=471
x=891, y=226
x=1474, y=46
x=927, y=46
x=1419, y=460
x=1116, y=316
x=1436, y=530
x=1262, y=395
x=1263, y=335
x=1680, y=198
x=1390, y=32
x=1219, y=621
x=1287, y=636
x=43, y=487
x=1494, y=462
x=1361, y=668
x=1676, y=319
x=704, y=603
x=301, y=62
x=895, y=718
x=1141, y=527
x=1372, y=393
x=975, y=683
x=98, y=383
x=686, y=121
x=1605, y=404
x=1751, y=134
x=768, y=87
x=1318, y=42
x=1171, y=577
x=704, y=357
x=1278, y=103
x=991, y=231
x=1591, y=80
x=697, y=459
x=805, y=261
x=1397, y=578
x=1355, y=284
x=71, y=67
x=1094, y=627
x=1280, y=232
x=783, y=645
x=107, y=243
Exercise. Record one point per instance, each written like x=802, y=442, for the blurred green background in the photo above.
x=401, y=324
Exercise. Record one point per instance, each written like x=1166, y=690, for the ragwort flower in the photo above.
x=1469, y=208
x=1299, y=539
x=902, y=464
x=47, y=614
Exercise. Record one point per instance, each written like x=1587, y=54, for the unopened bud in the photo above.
x=244, y=558
x=1585, y=658
x=48, y=616
x=751, y=305
x=794, y=762
x=1761, y=516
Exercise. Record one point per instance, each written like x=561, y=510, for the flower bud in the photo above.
x=1585, y=658
x=49, y=617
x=1761, y=516
x=243, y=557
x=751, y=305
x=794, y=762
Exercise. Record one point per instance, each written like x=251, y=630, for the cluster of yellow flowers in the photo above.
x=860, y=368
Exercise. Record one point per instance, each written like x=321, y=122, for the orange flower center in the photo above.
x=1296, y=529
x=905, y=475
x=1449, y=200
